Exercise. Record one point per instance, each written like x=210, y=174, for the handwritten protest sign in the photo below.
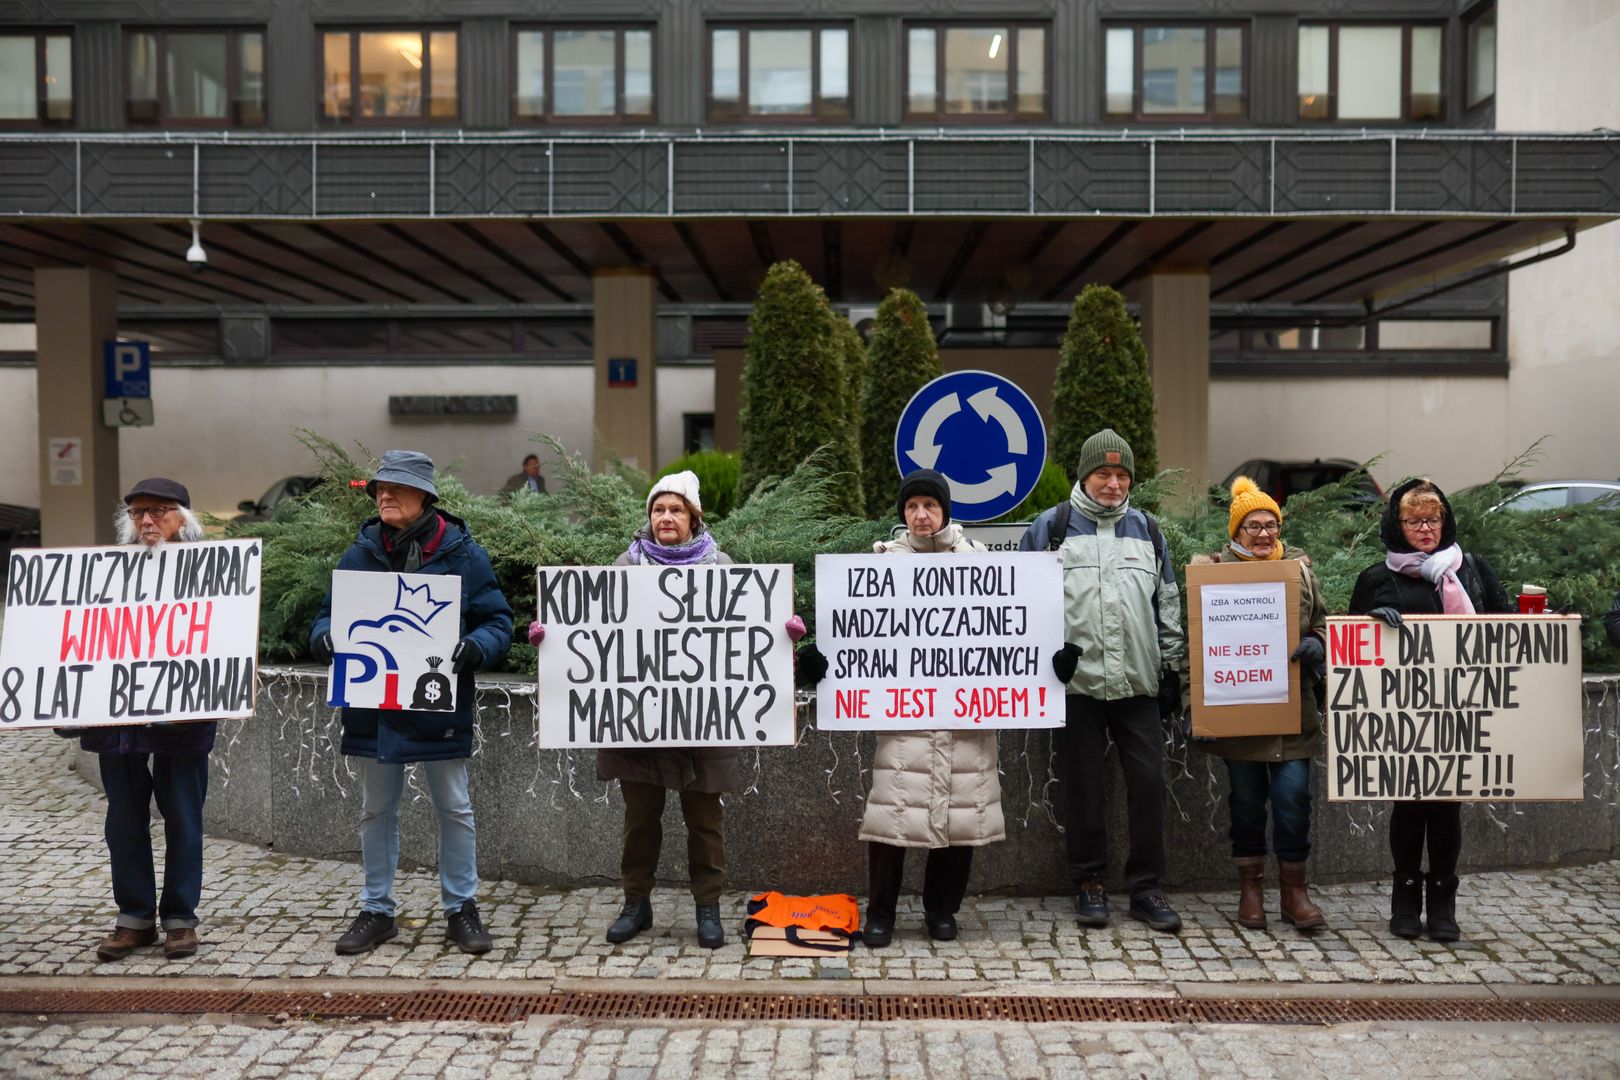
x=130, y=634
x=392, y=636
x=1242, y=625
x=939, y=641
x=644, y=656
x=1455, y=708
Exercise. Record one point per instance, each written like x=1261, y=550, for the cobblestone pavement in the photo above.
x=267, y=915
x=586, y=1051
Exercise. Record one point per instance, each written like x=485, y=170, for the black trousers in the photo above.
x=945, y=878
x=1410, y=823
x=1134, y=725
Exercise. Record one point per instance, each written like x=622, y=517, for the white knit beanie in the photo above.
x=684, y=484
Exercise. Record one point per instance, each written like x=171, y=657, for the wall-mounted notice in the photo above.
x=392, y=636
x=1457, y=708
x=939, y=641
x=644, y=656
x=130, y=634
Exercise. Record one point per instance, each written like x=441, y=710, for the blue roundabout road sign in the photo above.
x=982, y=432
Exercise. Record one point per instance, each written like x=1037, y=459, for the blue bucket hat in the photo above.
x=409, y=467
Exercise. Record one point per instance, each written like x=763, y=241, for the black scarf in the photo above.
x=404, y=546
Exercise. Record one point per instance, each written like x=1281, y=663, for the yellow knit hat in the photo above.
x=1246, y=499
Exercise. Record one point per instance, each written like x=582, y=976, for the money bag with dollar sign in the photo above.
x=432, y=689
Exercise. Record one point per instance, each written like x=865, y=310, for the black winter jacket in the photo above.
x=1379, y=586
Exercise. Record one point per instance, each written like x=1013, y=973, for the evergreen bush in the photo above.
x=901, y=359
x=1052, y=488
x=717, y=473
x=849, y=456
x=1103, y=382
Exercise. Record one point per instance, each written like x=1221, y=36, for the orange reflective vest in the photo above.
x=835, y=912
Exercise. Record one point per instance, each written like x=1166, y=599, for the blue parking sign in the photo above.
x=129, y=369
x=983, y=432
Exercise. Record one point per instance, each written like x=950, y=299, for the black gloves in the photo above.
x=810, y=664
x=322, y=649
x=1169, y=694
x=1387, y=615
x=467, y=657
x=1065, y=661
x=1310, y=652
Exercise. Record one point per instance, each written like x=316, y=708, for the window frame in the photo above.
x=1471, y=22
x=1406, y=27
x=1138, y=93
x=744, y=28
x=939, y=115
x=354, y=119
x=550, y=117
x=233, y=74
x=41, y=121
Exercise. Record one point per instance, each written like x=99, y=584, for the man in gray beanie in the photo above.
x=1123, y=664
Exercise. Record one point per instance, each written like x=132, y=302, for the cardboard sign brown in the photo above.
x=772, y=941
x=1211, y=721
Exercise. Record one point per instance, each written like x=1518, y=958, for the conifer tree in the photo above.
x=901, y=359
x=1103, y=382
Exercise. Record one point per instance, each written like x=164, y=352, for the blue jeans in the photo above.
x=179, y=782
x=380, y=792
x=1288, y=785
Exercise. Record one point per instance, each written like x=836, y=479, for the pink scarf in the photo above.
x=1439, y=567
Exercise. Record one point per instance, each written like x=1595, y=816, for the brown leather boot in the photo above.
x=180, y=943
x=1252, y=903
x=125, y=940
x=1296, y=898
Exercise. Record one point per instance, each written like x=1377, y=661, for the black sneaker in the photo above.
x=466, y=932
x=711, y=934
x=1156, y=911
x=1092, y=906
x=369, y=930
x=636, y=917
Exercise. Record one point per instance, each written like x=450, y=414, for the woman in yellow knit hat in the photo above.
x=1274, y=768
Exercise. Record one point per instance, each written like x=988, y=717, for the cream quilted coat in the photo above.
x=934, y=789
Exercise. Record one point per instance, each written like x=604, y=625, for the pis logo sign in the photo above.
x=370, y=649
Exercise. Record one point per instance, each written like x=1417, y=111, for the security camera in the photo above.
x=196, y=257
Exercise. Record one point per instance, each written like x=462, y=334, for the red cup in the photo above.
x=1532, y=605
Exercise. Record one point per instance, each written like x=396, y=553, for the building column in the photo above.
x=625, y=331
x=76, y=311
x=1175, y=328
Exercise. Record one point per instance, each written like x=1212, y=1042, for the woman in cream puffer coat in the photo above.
x=938, y=790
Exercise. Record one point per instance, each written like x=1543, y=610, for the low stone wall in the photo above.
x=278, y=780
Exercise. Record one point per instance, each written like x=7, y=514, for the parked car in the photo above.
x=1557, y=494
x=261, y=509
x=1280, y=479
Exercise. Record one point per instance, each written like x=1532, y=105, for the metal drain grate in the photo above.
x=505, y=1008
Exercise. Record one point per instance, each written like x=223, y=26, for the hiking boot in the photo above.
x=636, y=917
x=466, y=931
x=125, y=940
x=1252, y=900
x=878, y=931
x=711, y=935
x=180, y=943
x=1092, y=904
x=369, y=929
x=1406, y=906
x=1442, y=903
x=940, y=927
x=1297, y=907
x=1156, y=911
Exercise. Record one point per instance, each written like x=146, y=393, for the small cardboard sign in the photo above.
x=773, y=941
x=1242, y=625
x=392, y=636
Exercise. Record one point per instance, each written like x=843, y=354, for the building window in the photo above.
x=389, y=76
x=1482, y=58
x=583, y=74
x=779, y=72
x=1361, y=72
x=962, y=72
x=36, y=79
x=201, y=77
x=1162, y=72
x=1438, y=335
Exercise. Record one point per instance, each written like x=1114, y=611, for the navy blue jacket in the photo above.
x=401, y=736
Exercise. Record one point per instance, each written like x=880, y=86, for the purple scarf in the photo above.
x=1440, y=568
x=700, y=549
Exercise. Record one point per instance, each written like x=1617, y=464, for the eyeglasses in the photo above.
x=1423, y=524
x=1255, y=528
x=156, y=513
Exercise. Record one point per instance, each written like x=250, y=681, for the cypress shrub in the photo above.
x=1052, y=488
x=902, y=359
x=717, y=473
x=1103, y=382
x=849, y=453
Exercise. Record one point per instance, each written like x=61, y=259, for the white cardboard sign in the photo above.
x=392, y=636
x=1245, y=644
x=644, y=656
x=953, y=640
x=130, y=634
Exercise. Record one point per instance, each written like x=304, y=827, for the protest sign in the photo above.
x=1455, y=708
x=1242, y=625
x=130, y=634
x=645, y=656
x=392, y=636
x=954, y=640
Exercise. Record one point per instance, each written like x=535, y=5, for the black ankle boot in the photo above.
x=1442, y=902
x=711, y=935
x=878, y=931
x=636, y=917
x=1406, y=906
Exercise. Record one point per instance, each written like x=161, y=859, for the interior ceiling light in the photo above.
x=995, y=46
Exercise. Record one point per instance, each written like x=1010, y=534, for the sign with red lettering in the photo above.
x=130, y=634
x=392, y=636
x=1477, y=708
x=1242, y=624
x=916, y=642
